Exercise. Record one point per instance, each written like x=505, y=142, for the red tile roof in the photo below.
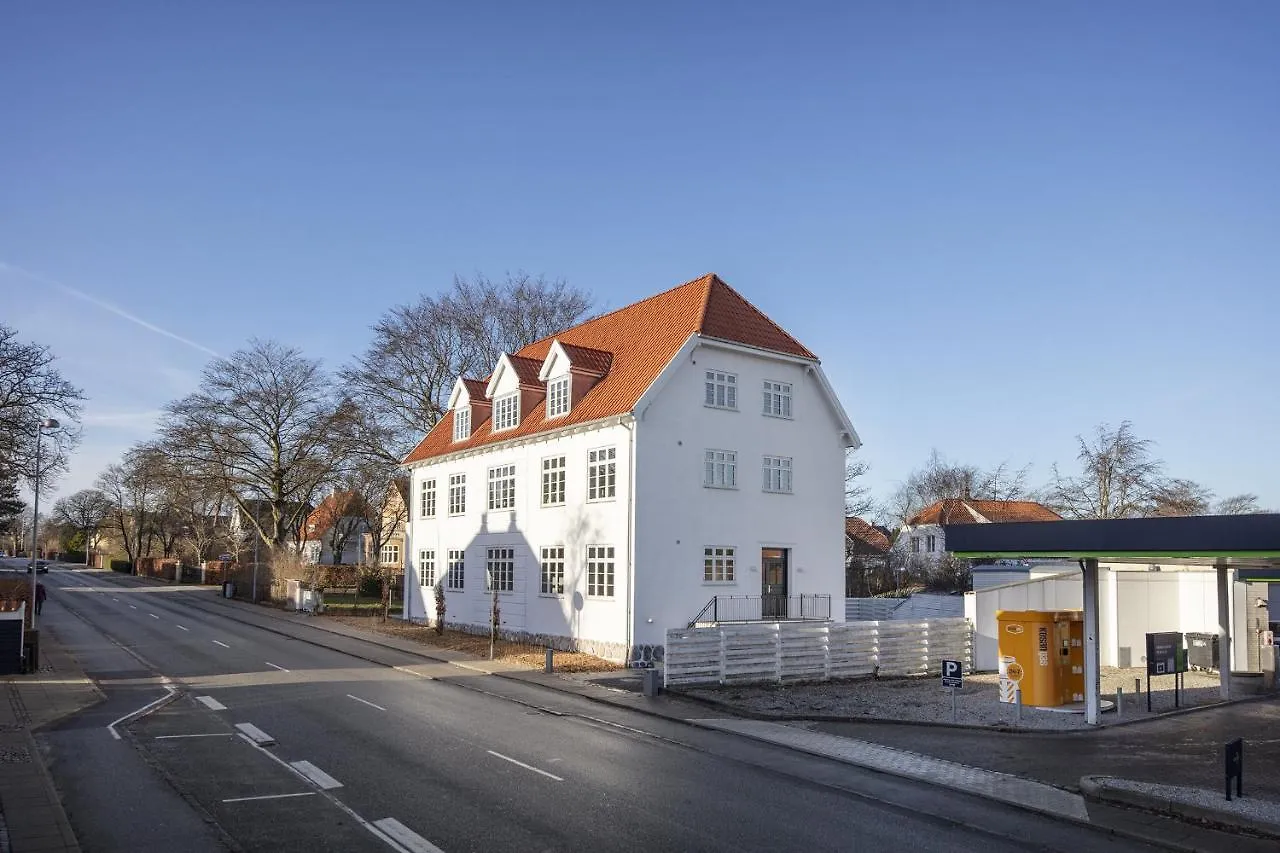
x=866, y=538
x=640, y=340
x=588, y=359
x=960, y=511
x=475, y=388
x=331, y=510
x=526, y=369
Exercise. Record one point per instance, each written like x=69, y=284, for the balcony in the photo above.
x=731, y=609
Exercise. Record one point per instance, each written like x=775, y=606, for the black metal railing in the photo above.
x=764, y=608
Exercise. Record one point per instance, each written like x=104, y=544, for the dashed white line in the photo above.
x=153, y=616
x=366, y=701
x=407, y=838
x=180, y=628
x=275, y=666
x=211, y=703
x=322, y=780
x=133, y=607
x=269, y=797
x=113, y=598
x=522, y=764
x=255, y=735
x=220, y=643
x=210, y=734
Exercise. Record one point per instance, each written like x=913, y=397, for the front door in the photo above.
x=773, y=576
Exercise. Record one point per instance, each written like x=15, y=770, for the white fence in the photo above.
x=918, y=607
x=793, y=651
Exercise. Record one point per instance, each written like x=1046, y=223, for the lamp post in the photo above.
x=47, y=423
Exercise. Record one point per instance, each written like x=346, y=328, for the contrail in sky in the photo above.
x=106, y=306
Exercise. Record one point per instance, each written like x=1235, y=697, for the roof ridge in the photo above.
x=711, y=279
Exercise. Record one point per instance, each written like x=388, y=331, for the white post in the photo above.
x=1224, y=630
x=1092, y=675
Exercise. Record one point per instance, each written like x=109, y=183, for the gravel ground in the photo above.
x=1251, y=807
x=977, y=704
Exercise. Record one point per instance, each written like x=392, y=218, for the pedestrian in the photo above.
x=40, y=596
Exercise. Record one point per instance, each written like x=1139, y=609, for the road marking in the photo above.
x=322, y=780
x=133, y=607
x=269, y=797
x=366, y=701
x=145, y=709
x=522, y=764
x=274, y=666
x=211, y=703
x=180, y=628
x=220, y=643
x=210, y=734
x=407, y=837
x=153, y=616
x=255, y=734
x=113, y=598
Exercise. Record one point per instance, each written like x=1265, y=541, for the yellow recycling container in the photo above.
x=1041, y=654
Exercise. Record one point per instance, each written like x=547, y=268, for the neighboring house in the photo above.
x=921, y=538
x=334, y=533
x=607, y=483
x=395, y=511
x=866, y=555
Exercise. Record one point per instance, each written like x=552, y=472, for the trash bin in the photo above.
x=651, y=682
x=1202, y=651
x=228, y=589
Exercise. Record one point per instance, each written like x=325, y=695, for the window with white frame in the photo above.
x=506, y=411
x=461, y=423
x=389, y=555
x=720, y=469
x=502, y=487
x=600, y=571
x=457, y=494
x=455, y=571
x=558, y=397
x=553, y=570
x=717, y=564
x=553, y=481
x=777, y=474
x=931, y=543
x=720, y=390
x=500, y=574
x=777, y=399
x=428, y=499
x=602, y=473
x=427, y=567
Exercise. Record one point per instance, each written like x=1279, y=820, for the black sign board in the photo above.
x=952, y=674
x=1165, y=655
x=1235, y=766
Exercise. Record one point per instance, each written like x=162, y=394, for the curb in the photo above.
x=1098, y=789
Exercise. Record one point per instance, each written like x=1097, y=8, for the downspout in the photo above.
x=631, y=527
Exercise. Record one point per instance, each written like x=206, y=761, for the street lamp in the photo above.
x=47, y=423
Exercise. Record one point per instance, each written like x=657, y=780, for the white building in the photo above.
x=611, y=481
x=922, y=538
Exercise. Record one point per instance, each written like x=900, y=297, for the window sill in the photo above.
x=778, y=417
x=551, y=595
x=553, y=506
x=721, y=488
x=719, y=583
x=721, y=408
x=776, y=492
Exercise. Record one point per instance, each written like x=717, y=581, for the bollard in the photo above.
x=549, y=665
x=1119, y=702
x=1017, y=711
x=1137, y=692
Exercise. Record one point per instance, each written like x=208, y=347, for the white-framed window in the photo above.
x=553, y=481
x=720, y=390
x=553, y=570
x=600, y=571
x=461, y=423
x=718, y=564
x=602, y=473
x=427, y=567
x=777, y=474
x=428, y=498
x=931, y=543
x=558, y=397
x=506, y=411
x=720, y=469
x=456, y=571
x=389, y=555
x=500, y=574
x=457, y=494
x=915, y=544
x=502, y=487
x=777, y=399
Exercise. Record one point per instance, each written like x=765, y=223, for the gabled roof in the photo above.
x=588, y=359
x=639, y=341
x=970, y=511
x=864, y=537
x=331, y=510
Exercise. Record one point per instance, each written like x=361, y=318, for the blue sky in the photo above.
x=997, y=223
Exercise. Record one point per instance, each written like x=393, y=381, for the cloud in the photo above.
x=106, y=306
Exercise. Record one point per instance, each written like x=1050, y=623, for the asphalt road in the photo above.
x=374, y=750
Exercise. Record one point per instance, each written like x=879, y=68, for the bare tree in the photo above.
x=263, y=426
x=940, y=479
x=85, y=511
x=1243, y=504
x=1119, y=478
x=857, y=497
x=131, y=486
x=31, y=389
x=11, y=507
x=384, y=500
x=1181, y=497
x=402, y=381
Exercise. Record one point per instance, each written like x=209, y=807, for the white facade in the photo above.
x=660, y=517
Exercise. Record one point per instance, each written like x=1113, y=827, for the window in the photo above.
x=553, y=570
x=502, y=487
x=915, y=544
x=720, y=469
x=501, y=574
x=457, y=494
x=931, y=543
x=456, y=573
x=553, y=481
x=777, y=399
x=602, y=470
x=558, y=397
x=427, y=567
x=506, y=411
x=428, y=505
x=600, y=571
x=717, y=564
x=721, y=390
x=777, y=474
x=461, y=423
x=390, y=555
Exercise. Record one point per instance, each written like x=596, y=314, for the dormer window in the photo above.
x=506, y=412
x=461, y=424
x=558, y=397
